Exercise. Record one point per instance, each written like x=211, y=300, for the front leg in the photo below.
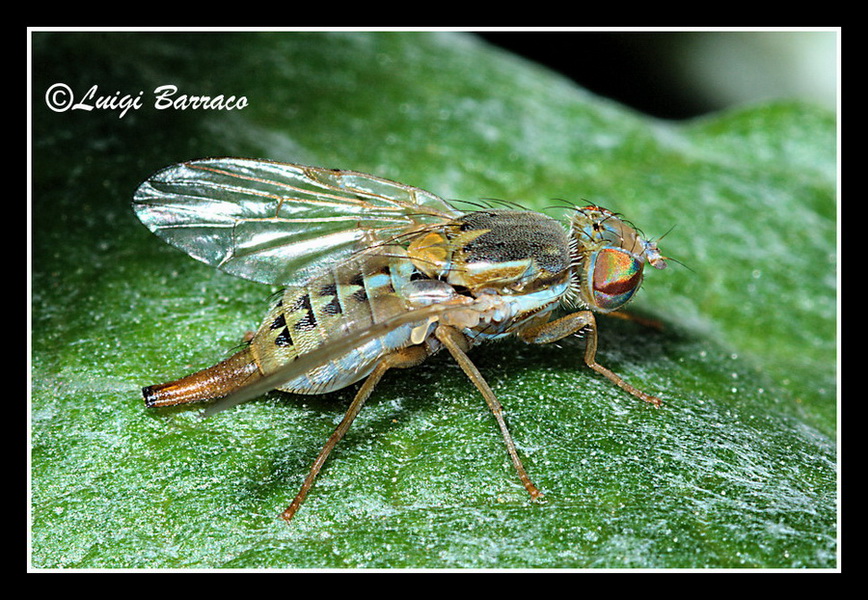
x=570, y=324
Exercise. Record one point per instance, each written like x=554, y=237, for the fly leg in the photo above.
x=456, y=343
x=408, y=357
x=570, y=324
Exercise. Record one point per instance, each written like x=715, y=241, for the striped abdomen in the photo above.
x=347, y=297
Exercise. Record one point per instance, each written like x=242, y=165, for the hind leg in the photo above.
x=408, y=357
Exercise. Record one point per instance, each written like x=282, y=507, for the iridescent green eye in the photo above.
x=617, y=276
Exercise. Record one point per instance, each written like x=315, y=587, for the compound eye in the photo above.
x=617, y=276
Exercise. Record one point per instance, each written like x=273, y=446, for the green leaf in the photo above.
x=738, y=469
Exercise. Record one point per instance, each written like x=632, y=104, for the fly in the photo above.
x=379, y=275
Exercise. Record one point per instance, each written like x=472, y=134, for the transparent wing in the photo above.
x=332, y=350
x=278, y=222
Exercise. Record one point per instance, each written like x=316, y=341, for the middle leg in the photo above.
x=456, y=344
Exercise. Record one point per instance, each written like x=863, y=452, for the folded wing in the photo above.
x=279, y=223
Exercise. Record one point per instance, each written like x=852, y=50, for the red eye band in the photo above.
x=617, y=275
